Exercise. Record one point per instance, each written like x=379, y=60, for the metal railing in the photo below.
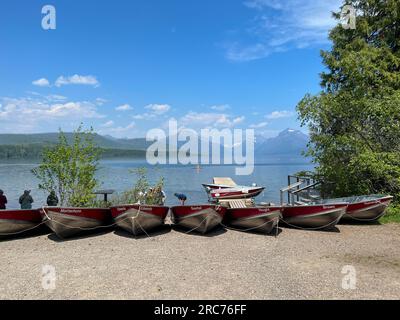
x=296, y=191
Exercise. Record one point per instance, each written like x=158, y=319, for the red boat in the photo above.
x=235, y=193
x=211, y=186
x=139, y=219
x=220, y=183
x=261, y=219
x=67, y=222
x=321, y=216
x=226, y=188
x=200, y=218
x=18, y=221
x=364, y=208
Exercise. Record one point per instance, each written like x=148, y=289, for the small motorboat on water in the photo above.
x=226, y=188
x=67, y=222
x=220, y=183
x=249, y=217
x=313, y=216
x=18, y=221
x=235, y=193
x=363, y=208
x=199, y=218
x=139, y=219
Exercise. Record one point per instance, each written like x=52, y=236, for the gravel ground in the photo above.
x=224, y=265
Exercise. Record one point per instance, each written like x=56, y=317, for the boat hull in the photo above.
x=201, y=218
x=259, y=219
x=367, y=210
x=211, y=186
x=68, y=222
x=18, y=221
x=235, y=193
x=313, y=216
x=138, y=219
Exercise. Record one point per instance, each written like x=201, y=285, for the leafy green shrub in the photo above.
x=392, y=214
x=142, y=192
x=69, y=169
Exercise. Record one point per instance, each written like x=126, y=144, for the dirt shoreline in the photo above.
x=224, y=265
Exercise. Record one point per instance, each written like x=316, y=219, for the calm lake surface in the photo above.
x=116, y=174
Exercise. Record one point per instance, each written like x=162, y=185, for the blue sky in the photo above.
x=125, y=67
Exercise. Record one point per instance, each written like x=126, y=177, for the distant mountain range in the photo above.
x=289, y=141
x=106, y=142
x=289, y=144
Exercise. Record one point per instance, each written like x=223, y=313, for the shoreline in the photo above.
x=226, y=264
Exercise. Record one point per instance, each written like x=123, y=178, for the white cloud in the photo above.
x=259, y=125
x=108, y=124
x=144, y=116
x=42, y=82
x=28, y=114
x=279, y=114
x=50, y=97
x=222, y=107
x=100, y=101
x=77, y=80
x=55, y=98
x=283, y=25
x=155, y=111
x=124, y=107
x=205, y=120
x=158, y=109
x=122, y=129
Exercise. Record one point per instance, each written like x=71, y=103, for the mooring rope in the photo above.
x=22, y=231
x=135, y=217
x=80, y=228
x=251, y=229
x=311, y=228
x=348, y=216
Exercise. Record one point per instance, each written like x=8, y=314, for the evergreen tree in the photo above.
x=354, y=121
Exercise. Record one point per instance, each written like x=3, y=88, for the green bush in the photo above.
x=392, y=214
x=142, y=192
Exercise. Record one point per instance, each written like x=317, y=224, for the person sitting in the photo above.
x=26, y=200
x=52, y=199
x=159, y=196
x=3, y=200
x=181, y=197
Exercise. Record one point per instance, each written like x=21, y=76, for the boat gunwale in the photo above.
x=198, y=205
x=338, y=204
x=363, y=199
x=139, y=205
x=73, y=208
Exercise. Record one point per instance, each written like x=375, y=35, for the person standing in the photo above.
x=181, y=197
x=3, y=200
x=26, y=200
x=52, y=199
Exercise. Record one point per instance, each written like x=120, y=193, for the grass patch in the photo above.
x=392, y=214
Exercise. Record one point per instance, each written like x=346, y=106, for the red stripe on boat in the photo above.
x=91, y=213
x=22, y=215
x=363, y=205
x=155, y=210
x=251, y=212
x=309, y=210
x=187, y=210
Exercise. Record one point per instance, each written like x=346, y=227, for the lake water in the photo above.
x=116, y=174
